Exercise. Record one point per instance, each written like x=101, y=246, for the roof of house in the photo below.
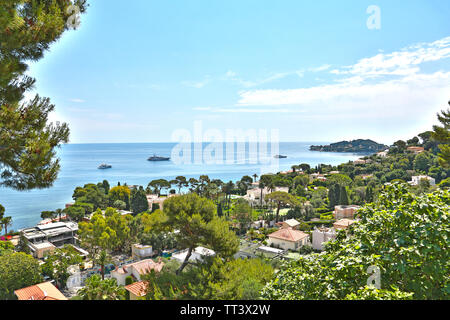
x=416, y=148
x=288, y=234
x=138, y=288
x=292, y=222
x=41, y=291
x=143, y=266
x=344, y=222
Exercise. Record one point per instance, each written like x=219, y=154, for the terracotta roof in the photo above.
x=288, y=234
x=344, y=222
x=42, y=291
x=416, y=148
x=143, y=266
x=138, y=288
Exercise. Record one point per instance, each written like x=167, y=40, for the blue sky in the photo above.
x=136, y=71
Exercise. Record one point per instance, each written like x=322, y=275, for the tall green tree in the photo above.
x=28, y=142
x=6, y=222
x=121, y=193
x=282, y=199
x=156, y=186
x=180, y=182
x=139, y=202
x=441, y=134
x=343, y=196
x=198, y=225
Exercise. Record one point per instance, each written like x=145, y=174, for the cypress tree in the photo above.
x=343, y=198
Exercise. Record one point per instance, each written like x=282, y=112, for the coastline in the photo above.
x=79, y=164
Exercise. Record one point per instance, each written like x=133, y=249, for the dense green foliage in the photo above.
x=198, y=224
x=17, y=270
x=214, y=279
x=97, y=289
x=139, y=201
x=57, y=262
x=403, y=234
x=27, y=141
x=359, y=145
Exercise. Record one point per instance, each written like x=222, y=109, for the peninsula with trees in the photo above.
x=360, y=145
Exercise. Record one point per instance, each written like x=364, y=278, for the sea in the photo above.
x=79, y=166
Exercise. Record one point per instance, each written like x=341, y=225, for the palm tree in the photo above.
x=254, y=177
x=6, y=222
x=98, y=289
x=102, y=259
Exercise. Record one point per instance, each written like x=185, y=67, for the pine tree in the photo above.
x=441, y=134
x=139, y=201
x=27, y=141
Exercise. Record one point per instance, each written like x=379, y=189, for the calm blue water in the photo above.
x=79, y=164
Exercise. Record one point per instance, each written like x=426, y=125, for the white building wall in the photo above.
x=287, y=245
x=120, y=277
x=320, y=237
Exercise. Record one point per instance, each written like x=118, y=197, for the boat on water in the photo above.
x=158, y=158
x=279, y=156
x=105, y=166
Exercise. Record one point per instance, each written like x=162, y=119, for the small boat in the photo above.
x=279, y=156
x=157, y=158
x=105, y=166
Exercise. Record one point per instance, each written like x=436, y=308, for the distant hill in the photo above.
x=359, y=145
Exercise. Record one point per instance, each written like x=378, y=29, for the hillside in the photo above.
x=359, y=145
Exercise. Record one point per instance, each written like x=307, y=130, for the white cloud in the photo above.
x=402, y=62
x=76, y=100
x=233, y=76
x=381, y=86
x=197, y=84
x=321, y=68
x=252, y=110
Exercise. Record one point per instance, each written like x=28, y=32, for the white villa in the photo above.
x=288, y=239
x=322, y=235
x=254, y=194
x=135, y=270
x=416, y=180
x=197, y=254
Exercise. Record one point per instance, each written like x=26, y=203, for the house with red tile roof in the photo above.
x=416, y=150
x=135, y=270
x=41, y=291
x=288, y=239
x=343, y=224
x=137, y=289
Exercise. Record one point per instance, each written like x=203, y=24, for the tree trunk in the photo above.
x=103, y=271
x=260, y=199
x=278, y=211
x=186, y=260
